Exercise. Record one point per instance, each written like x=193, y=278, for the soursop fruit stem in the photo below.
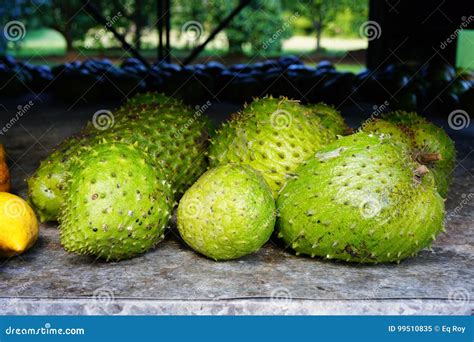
x=425, y=158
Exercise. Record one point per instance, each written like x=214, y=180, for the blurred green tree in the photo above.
x=72, y=21
x=257, y=24
x=342, y=17
x=66, y=17
x=259, y=28
x=137, y=15
x=16, y=10
x=260, y=24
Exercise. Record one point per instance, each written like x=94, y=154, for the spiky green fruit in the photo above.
x=380, y=126
x=363, y=199
x=46, y=186
x=228, y=213
x=272, y=135
x=118, y=202
x=176, y=137
x=330, y=117
x=428, y=142
x=173, y=134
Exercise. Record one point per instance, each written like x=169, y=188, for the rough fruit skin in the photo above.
x=362, y=199
x=380, y=126
x=173, y=134
x=330, y=117
x=46, y=186
x=423, y=137
x=273, y=136
x=228, y=213
x=118, y=202
x=432, y=139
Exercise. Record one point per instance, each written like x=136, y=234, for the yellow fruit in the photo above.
x=18, y=225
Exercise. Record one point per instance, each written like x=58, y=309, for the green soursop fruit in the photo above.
x=362, y=198
x=175, y=136
x=46, y=186
x=228, y=213
x=272, y=135
x=331, y=118
x=118, y=202
x=429, y=143
x=380, y=126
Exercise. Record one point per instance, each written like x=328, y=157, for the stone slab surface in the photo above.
x=173, y=280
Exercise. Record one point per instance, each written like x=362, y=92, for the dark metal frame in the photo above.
x=164, y=21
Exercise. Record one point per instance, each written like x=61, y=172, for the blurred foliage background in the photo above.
x=263, y=28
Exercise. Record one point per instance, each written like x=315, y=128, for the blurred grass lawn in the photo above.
x=41, y=42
